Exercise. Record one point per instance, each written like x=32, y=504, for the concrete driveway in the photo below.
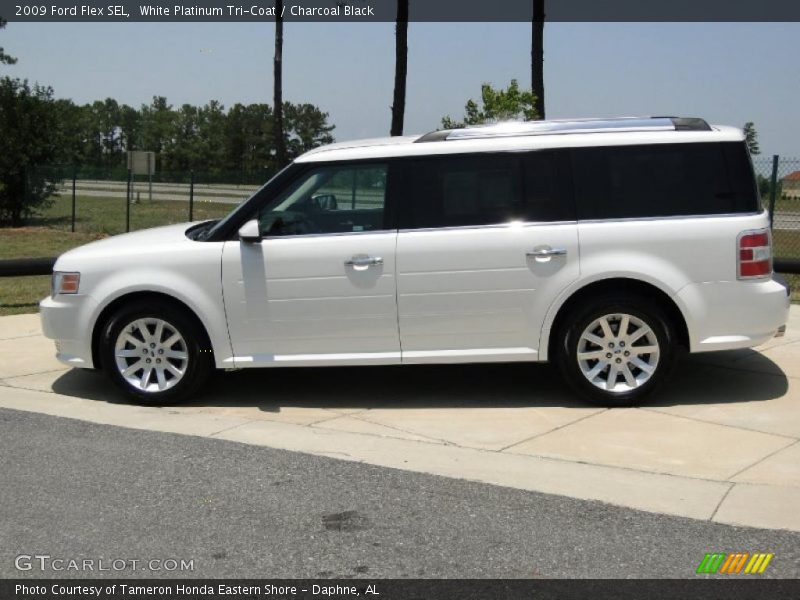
x=719, y=443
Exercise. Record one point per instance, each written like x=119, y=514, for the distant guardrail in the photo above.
x=787, y=265
x=22, y=267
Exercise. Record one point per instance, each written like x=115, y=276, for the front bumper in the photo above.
x=67, y=320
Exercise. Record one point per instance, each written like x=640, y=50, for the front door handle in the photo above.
x=546, y=252
x=363, y=262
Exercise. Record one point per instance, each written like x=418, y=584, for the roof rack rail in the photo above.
x=567, y=126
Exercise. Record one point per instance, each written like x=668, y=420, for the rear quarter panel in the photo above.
x=668, y=253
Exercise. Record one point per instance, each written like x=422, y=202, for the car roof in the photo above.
x=536, y=135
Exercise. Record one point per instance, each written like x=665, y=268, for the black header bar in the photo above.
x=386, y=10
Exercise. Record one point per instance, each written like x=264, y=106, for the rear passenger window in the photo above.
x=662, y=180
x=483, y=190
x=544, y=198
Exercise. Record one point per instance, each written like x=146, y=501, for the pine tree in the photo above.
x=751, y=138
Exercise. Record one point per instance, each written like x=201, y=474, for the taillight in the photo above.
x=754, y=254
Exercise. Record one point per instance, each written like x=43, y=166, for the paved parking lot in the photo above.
x=720, y=443
x=72, y=489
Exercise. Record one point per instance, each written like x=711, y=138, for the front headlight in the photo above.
x=65, y=283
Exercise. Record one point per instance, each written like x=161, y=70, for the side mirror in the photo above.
x=250, y=232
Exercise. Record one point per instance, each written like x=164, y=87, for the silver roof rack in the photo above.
x=566, y=126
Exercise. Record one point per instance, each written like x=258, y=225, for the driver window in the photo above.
x=331, y=199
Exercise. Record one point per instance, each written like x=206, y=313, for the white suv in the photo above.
x=602, y=245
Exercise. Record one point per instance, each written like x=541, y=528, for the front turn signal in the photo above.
x=65, y=283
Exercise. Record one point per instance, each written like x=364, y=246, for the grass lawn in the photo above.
x=96, y=218
x=786, y=242
x=107, y=215
x=787, y=245
x=22, y=294
x=783, y=204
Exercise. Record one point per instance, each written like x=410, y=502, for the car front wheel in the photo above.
x=155, y=353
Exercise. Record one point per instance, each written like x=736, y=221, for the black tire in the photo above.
x=199, y=359
x=586, y=314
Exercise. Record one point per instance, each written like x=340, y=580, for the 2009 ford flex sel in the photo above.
x=604, y=246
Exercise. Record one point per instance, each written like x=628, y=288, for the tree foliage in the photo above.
x=207, y=139
x=765, y=187
x=306, y=128
x=31, y=136
x=509, y=104
x=39, y=131
x=5, y=59
x=751, y=138
x=216, y=143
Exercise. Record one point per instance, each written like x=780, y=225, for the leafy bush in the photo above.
x=30, y=137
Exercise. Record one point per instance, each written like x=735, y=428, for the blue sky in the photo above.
x=727, y=73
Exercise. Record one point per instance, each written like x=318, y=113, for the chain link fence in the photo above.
x=779, y=184
x=107, y=201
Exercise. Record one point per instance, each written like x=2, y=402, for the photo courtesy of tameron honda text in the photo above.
x=507, y=242
x=189, y=590
x=167, y=589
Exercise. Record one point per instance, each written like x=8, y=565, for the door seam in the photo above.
x=397, y=294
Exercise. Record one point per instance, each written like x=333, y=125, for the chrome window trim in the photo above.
x=672, y=218
x=512, y=225
x=331, y=234
x=527, y=224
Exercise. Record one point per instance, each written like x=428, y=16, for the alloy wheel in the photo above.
x=151, y=355
x=618, y=352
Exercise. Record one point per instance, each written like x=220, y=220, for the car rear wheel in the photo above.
x=616, y=351
x=156, y=353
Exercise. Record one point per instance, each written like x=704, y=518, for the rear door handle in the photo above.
x=546, y=252
x=363, y=262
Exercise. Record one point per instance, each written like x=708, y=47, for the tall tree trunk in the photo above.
x=280, y=142
x=400, y=67
x=537, y=55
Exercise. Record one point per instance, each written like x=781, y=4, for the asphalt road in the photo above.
x=75, y=490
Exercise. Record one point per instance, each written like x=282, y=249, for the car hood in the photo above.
x=146, y=241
